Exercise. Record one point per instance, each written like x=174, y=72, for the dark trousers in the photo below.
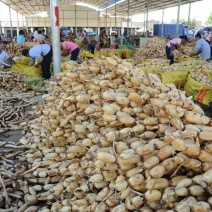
x=169, y=56
x=45, y=65
x=75, y=54
x=91, y=48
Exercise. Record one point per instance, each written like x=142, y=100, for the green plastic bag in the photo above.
x=36, y=83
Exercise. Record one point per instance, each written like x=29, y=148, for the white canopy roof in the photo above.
x=30, y=7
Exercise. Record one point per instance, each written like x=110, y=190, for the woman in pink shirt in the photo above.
x=72, y=48
x=174, y=44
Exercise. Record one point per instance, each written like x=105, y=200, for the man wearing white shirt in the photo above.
x=35, y=32
x=39, y=37
x=43, y=53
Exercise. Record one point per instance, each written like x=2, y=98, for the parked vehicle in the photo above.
x=169, y=30
x=203, y=30
x=90, y=31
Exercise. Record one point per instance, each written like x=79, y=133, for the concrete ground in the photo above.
x=15, y=136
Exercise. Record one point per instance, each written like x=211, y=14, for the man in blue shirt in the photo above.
x=202, y=47
x=43, y=53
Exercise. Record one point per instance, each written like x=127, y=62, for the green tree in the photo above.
x=209, y=21
x=192, y=23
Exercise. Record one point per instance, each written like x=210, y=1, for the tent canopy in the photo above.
x=30, y=7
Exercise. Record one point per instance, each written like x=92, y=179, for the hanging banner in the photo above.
x=56, y=12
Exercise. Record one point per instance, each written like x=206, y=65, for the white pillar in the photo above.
x=27, y=25
x=106, y=21
x=32, y=24
x=54, y=7
x=75, y=19
x=11, y=26
x=17, y=23
x=115, y=17
x=189, y=14
x=147, y=13
x=0, y=23
x=162, y=26
x=144, y=22
x=178, y=19
x=128, y=16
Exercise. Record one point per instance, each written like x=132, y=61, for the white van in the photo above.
x=90, y=31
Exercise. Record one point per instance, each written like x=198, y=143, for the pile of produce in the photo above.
x=12, y=187
x=14, y=99
x=176, y=74
x=112, y=138
x=153, y=62
x=201, y=78
x=155, y=48
x=12, y=81
x=199, y=85
x=185, y=52
x=12, y=107
x=14, y=50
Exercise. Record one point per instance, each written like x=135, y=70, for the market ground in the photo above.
x=15, y=136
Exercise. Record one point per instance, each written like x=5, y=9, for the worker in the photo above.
x=71, y=36
x=35, y=32
x=202, y=47
x=42, y=52
x=72, y=48
x=117, y=41
x=90, y=43
x=172, y=44
x=39, y=37
x=207, y=35
x=21, y=38
x=3, y=54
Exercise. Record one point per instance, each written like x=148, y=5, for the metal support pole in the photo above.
x=115, y=17
x=11, y=27
x=144, y=22
x=147, y=13
x=128, y=16
x=17, y=23
x=0, y=23
x=75, y=19
x=54, y=7
x=106, y=21
x=178, y=19
x=98, y=30
x=189, y=15
x=22, y=20
x=162, y=29
x=27, y=25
